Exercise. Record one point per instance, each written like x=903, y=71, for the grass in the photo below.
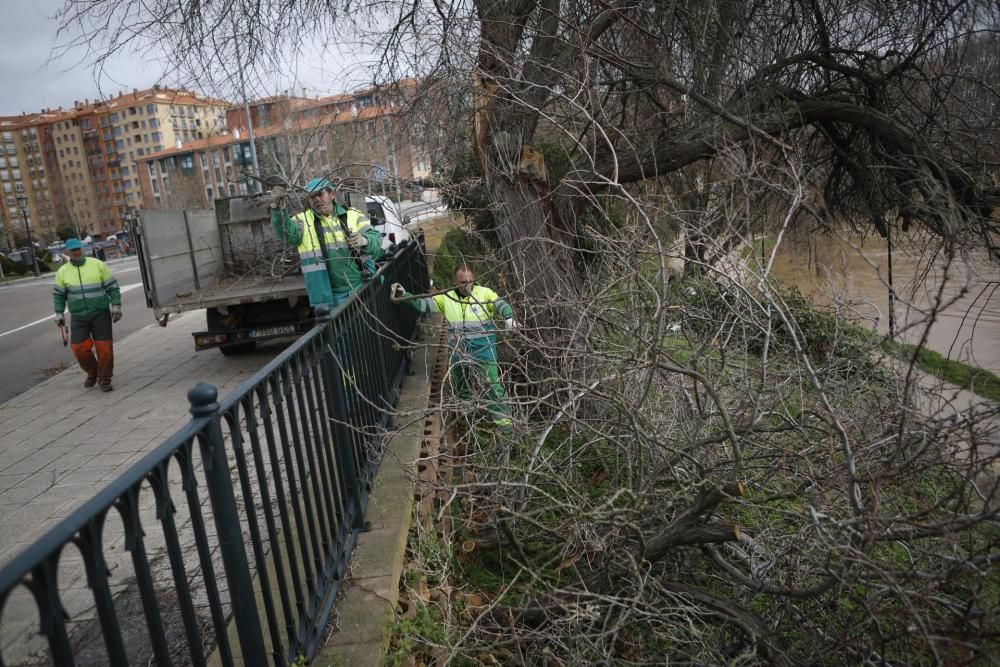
x=977, y=380
x=415, y=636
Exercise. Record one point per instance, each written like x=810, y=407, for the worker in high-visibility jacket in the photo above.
x=469, y=311
x=330, y=278
x=95, y=302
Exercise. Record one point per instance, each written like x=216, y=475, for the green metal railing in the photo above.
x=247, y=514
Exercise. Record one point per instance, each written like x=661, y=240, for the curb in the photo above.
x=367, y=602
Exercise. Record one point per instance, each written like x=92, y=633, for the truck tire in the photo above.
x=215, y=322
x=238, y=348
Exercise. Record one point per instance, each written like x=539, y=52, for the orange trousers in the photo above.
x=102, y=367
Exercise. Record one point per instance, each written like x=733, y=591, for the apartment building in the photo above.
x=119, y=131
x=361, y=135
x=77, y=167
x=25, y=179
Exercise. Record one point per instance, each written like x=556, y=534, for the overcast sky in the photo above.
x=28, y=35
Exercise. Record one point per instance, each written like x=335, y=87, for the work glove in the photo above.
x=279, y=197
x=357, y=241
x=116, y=313
x=397, y=292
x=510, y=324
x=60, y=320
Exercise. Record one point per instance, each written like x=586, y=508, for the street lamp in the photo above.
x=23, y=201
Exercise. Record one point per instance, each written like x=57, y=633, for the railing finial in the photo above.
x=203, y=398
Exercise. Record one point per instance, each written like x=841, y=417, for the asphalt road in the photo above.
x=31, y=349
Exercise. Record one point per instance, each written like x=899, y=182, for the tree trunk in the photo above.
x=539, y=271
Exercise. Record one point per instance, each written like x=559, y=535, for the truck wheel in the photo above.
x=238, y=348
x=216, y=323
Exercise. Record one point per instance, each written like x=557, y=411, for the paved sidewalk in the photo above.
x=60, y=443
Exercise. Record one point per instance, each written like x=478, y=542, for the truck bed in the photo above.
x=232, y=291
x=194, y=259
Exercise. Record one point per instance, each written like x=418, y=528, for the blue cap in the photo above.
x=73, y=244
x=317, y=185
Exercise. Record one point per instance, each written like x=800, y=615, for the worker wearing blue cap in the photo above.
x=86, y=285
x=337, y=246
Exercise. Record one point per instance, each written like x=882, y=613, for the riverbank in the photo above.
x=850, y=281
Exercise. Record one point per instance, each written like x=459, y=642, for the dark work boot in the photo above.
x=107, y=387
x=90, y=382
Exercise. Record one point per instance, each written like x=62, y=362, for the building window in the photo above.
x=131, y=111
x=151, y=109
x=187, y=163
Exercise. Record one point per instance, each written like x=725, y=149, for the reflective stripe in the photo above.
x=470, y=336
x=469, y=324
x=311, y=268
x=80, y=289
x=306, y=254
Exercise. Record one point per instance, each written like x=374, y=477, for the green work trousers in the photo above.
x=470, y=372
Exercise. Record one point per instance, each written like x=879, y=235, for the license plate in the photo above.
x=261, y=332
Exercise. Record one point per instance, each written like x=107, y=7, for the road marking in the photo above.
x=51, y=318
x=46, y=280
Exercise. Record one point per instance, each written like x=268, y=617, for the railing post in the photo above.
x=343, y=442
x=203, y=398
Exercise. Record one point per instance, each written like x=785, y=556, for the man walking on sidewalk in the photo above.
x=95, y=302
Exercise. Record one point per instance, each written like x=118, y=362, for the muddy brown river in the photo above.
x=851, y=276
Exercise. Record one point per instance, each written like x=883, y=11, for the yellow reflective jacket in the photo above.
x=88, y=288
x=469, y=318
x=337, y=272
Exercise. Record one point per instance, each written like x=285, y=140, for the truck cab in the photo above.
x=383, y=214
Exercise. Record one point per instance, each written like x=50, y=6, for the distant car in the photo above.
x=383, y=215
x=20, y=255
x=58, y=252
x=420, y=212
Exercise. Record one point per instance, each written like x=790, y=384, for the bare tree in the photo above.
x=705, y=466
